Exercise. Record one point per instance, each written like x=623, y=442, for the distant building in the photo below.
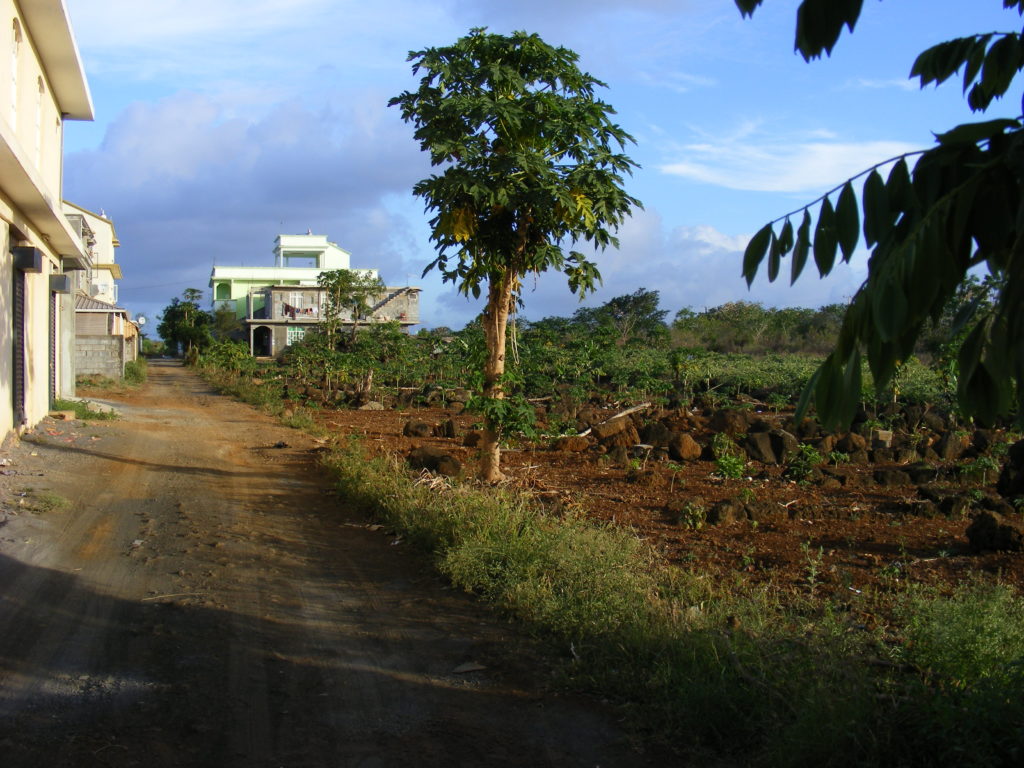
x=105, y=338
x=44, y=85
x=278, y=305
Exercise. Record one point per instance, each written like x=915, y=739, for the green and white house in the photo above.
x=278, y=305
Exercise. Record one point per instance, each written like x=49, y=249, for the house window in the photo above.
x=15, y=48
x=295, y=334
x=295, y=299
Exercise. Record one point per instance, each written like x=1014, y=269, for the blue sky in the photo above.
x=222, y=123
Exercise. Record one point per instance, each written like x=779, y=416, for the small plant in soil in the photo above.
x=693, y=516
x=803, y=463
x=814, y=562
x=730, y=467
x=838, y=457
x=675, y=469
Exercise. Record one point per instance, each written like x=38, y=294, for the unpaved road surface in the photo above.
x=201, y=598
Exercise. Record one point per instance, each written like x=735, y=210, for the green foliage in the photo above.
x=532, y=162
x=47, y=501
x=803, y=462
x=152, y=348
x=790, y=686
x=185, y=327
x=744, y=326
x=349, y=294
x=529, y=158
x=730, y=467
x=723, y=445
x=228, y=355
x=634, y=317
x=83, y=410
x=958, y=208
x=693, y=515
x=224, y=324
x=506, y=415
x=970, y=650
x=838, y=457
x=136, y=371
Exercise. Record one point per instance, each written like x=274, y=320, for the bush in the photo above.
x=135, y=371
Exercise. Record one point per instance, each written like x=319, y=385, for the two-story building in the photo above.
x=105, y=336
x=42, y=84
x=278, y=305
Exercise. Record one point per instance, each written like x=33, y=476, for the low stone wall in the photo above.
x=103, y=355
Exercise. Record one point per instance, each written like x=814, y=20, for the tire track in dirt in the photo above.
x=207, y=601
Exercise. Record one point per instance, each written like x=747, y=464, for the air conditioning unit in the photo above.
x=27, y=258
x=95, y=290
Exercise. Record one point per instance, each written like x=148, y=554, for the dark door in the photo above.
x=18, y=366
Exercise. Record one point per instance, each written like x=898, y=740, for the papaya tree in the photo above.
x=531, y=164
x=931, y=219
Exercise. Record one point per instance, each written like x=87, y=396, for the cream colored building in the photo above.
x=42, y=84
x=97, y=231
x=105, y=337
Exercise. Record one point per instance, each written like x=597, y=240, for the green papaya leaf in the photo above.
x=972, y=133
x=755, y=252
x=786, y=237
x=847, y=221
x=802, y=247
x=825, y=238
x=877, y=219
x=774, y=259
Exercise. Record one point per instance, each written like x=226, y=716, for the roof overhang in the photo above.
x=113, y=269
x=50, y=28
x=24, y=187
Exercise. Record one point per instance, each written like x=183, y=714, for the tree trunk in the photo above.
x=495, y=322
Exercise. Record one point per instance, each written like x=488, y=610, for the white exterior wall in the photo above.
x=31, y=145
x=38, y=125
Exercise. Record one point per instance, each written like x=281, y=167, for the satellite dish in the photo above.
x=140, y=319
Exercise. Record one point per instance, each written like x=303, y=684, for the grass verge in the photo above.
x=725, y=670
x=83, y=411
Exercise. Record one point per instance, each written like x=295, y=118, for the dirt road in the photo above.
x=177, y=591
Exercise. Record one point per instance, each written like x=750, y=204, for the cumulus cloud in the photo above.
x=188, y=186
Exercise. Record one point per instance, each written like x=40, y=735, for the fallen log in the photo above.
x=626, y=412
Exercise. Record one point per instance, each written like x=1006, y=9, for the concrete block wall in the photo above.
x=103, y=355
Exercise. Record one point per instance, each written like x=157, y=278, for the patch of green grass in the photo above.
x=303, y=420
x=136, y=371
x=83, y=411
x=740, y=672
x=95, y=381
x=45, y=501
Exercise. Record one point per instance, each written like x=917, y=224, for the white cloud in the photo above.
x=796, y=165
x=897, y=84
x=188, y=186
x=677, y=82
x=231, y=44
x=697, y=267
